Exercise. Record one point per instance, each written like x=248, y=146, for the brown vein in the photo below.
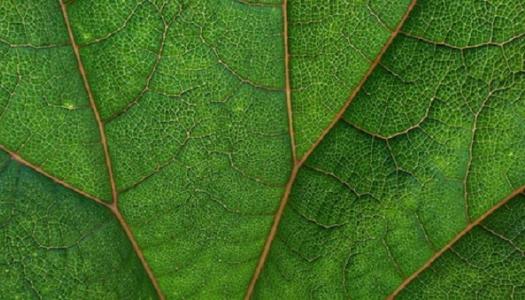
x=103, y=140
x=15, y=156
x=298, y=163
x=361, y=83
x=287, y=88
x=92, y=103
x=453, y=241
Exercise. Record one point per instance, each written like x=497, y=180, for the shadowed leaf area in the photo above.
x=55, y=244
x=262, y=149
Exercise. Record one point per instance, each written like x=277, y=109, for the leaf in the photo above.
x=55, y=244
x=426, y=151
x=487, y=261
x=211, y=132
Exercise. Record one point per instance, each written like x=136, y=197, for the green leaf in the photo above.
x=488, y=261
x=204, y=149
x=428, y=147
x=55, y=244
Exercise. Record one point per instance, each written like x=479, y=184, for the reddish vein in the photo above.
x=456, y=238
x=103, y=140
x=298, y=163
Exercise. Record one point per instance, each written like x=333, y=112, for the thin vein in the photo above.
x=468, y=168
x=392, y=258
x=30, y=46
x=503, y=238
x=153, y=71
x=257, y=4
x=287, y=88
x=119, y=29
x=398, y=133
x=146, y=88
x=451, y=46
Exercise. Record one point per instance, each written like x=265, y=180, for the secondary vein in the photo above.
x=287, y=89
x=16, y=157
x=91, y=99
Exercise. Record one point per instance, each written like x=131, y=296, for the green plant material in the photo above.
x=486, y=263
x=56, y=244
x=174, y=134
x=428, y=146
x=331, y=47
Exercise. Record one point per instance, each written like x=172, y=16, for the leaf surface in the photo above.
x=194, y=124
x=427, y=148
x=57, y=244
x=488, y=261
x=332, y=45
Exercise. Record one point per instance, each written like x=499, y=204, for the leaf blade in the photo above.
x=485, y=261
x=56, y=243
x=375, y=201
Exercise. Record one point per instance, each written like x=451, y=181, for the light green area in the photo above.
x=433, y=137
x=55, y=244
x=44, y=111
x=192, y=97
x=332, y=45
x=486, y=263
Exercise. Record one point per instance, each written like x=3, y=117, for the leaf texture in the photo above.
x=155, y=145
x=427, y=147
x=44, y=111
x=55, y=244
x=488, y=262
x=331, y=46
